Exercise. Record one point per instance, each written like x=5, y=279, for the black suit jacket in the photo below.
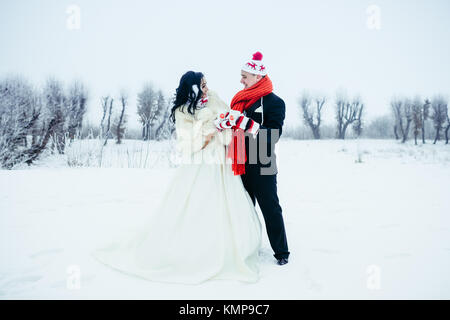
x=260, y=151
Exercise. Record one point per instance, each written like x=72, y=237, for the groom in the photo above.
x=259, y=114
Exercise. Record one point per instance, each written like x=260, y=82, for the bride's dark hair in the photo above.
x=185, y=94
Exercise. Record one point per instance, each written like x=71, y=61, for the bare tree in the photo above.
x=312, y=117
x=145, y=106
x=396, y=107
x=347, y=113
x=120, y=121
x=166, y=128
x=357, y=125
x=17, y=115
x=77, y=100
x=104, y=101
x=159, y=115
x=38, y=125
x=108, y=125
x=417, y=114
x=402, y=110
x=395, y=124
x=21, y=114
x=40, y=144
x=425, y=116
x=447, y=128
x=57, y=107
x=439, y=116
x=420, y=113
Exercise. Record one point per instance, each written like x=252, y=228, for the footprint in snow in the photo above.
x=63, y=283
x=392, y=225
x=46, y=252
x=327, y=251
x=398, y=255
x=17, y=284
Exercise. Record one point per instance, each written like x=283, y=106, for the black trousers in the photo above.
x=264, y=189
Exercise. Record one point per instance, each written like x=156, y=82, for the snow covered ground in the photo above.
x=365, y=219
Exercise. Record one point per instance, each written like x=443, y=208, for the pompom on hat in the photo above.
x=255, y=65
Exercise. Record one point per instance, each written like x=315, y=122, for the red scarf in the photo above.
x=243, y=100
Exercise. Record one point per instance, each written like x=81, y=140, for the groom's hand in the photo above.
x=246, y=124
x=235, y=119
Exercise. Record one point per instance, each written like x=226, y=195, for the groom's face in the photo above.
x=248, y=79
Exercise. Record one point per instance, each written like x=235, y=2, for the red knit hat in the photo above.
x=255, y=65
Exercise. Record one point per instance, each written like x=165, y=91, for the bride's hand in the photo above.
x=208, y=139
x=210, y=136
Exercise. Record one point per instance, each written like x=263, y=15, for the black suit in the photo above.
x=260, y=178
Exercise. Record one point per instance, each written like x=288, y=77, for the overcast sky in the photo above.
x=320, y=46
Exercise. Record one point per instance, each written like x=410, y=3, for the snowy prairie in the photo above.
x=365, y=219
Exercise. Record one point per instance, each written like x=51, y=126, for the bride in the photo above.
x=205, y=226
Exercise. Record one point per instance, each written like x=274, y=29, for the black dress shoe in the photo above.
x=282, y=261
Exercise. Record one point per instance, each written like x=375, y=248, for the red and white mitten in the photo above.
x=222, y=122
x=235, y=119
x=247, y=124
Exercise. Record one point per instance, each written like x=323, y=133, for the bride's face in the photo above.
x=204, y=87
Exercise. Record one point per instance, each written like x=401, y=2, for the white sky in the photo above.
x=316, y=45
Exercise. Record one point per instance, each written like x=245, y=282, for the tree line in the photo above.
x=409, y=117
x=33, y=119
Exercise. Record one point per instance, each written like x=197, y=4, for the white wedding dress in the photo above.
x=205, y=226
